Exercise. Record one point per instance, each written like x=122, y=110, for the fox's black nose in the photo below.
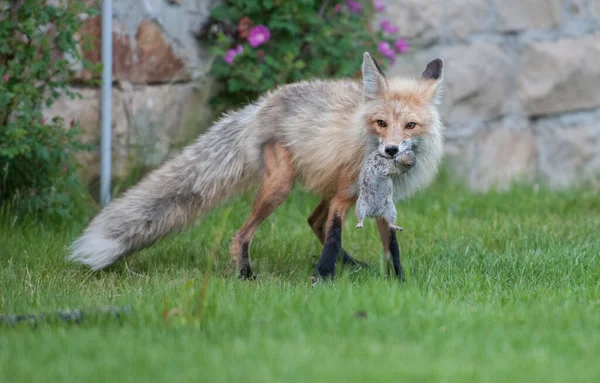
x=392, y=150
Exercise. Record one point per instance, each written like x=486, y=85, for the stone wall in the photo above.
x=522, y=97
x=160, y=92
x=521, y=100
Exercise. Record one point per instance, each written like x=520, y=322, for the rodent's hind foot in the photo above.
x=397, y=228
x=360, y=225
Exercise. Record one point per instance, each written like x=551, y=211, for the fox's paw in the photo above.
x=245, y=271
x=323, y=272
x=314, y=280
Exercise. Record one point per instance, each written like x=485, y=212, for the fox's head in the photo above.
x=402, y=112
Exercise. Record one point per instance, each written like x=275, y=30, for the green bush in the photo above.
x=260, y=44
x=38, y=45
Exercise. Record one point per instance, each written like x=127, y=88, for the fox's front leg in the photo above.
x=317, y=221
x=333, y=237
x=390, y=248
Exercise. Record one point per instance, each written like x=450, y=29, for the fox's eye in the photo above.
x=411, y=125
x=381, y=123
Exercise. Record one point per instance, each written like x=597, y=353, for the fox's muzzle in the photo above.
x=392, y=151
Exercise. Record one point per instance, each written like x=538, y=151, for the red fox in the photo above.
x=318, y=132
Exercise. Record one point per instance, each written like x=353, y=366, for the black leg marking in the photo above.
x=317, y=224
x=331, y=249
x=395, y=253
x=245, y=267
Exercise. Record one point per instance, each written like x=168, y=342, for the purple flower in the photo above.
x=388, y=27
x=259, y=35
x=379, y=6
x=354, y=6
x=231, y=53
x=401, y=45
x=386, y=50
x=229, y=56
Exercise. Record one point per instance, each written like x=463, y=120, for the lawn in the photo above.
x=501, y=287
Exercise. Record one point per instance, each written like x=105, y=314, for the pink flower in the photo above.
x=6, y=77
x=231, y=53
x=229, y=56
x=337, y=8
x=386, y=50
x=72, y=122
x=388, y=27
x=43, y=121
x=401, y=45
x=354, y=6
x=65, y=168
x=379, y=6
x=259, y=35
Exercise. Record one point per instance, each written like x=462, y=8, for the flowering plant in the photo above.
x=260, y=44
x=38, y=43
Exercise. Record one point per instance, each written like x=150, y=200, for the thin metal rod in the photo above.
x=105, y=148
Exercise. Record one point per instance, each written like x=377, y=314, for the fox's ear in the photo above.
x=434, y=74
x=374, y=81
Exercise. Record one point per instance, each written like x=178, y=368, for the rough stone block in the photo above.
x=568, y=152
x=466, y=17
x=518, y=15
x=144, y=58
x=418, y=21
x=500, y=156
x=561, y=76
x=477, y=83
x=147, y=124
x=596, y=8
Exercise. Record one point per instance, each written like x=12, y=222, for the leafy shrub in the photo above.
x=38, y=45
x=260, y=44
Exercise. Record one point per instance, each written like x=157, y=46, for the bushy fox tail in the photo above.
x=220, y=164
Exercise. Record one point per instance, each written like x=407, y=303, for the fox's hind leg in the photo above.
x=317, y=224
x=278, y=180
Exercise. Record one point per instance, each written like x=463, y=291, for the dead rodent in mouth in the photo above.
x=375, y=197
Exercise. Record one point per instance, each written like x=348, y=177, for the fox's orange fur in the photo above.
x=317, y=132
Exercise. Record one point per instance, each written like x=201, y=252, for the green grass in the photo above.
x=501, y=287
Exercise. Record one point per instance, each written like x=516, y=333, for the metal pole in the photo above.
x=105, y=164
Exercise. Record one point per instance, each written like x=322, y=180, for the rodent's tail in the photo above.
x=220, y=164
